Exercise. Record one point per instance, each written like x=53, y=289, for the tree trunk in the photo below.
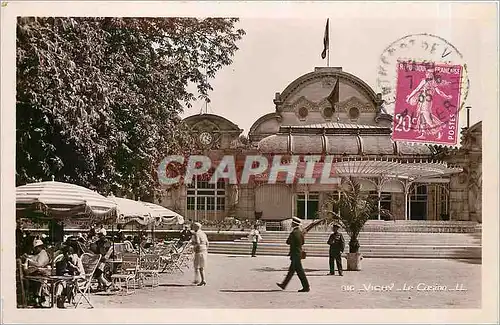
x=354, y=245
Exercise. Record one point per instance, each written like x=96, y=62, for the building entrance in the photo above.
x=418, y=203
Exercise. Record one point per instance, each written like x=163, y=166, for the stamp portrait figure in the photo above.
x=423, y=96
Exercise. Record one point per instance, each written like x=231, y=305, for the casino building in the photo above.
x=329, y=112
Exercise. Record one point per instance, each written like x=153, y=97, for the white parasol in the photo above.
x=129, y=211
x=164, y=215
x=59, y=201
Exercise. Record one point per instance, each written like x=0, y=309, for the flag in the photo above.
x=333, y=98
x=326, y=40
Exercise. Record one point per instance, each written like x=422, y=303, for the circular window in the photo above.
x=353, y=113
x=303, y=112
x=328, y=112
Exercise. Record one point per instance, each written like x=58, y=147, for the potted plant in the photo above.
x=352, y=209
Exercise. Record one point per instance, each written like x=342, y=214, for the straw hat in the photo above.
x=37, y=242
x=296, y=221
x=336, y=225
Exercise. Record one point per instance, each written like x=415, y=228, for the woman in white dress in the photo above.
x=200, y=245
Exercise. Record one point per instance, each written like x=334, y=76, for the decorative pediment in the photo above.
x=326, y=76
x=303, y=102
x=324, y=103
x=205, y=126
x=356, y=102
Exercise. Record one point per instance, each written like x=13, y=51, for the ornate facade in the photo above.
x=329, y=112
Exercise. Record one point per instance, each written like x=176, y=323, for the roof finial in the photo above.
x=53, y=178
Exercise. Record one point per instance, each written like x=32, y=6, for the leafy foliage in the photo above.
x=98, y=99
x=352, y=209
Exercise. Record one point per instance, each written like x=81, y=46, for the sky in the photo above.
x=276, y=51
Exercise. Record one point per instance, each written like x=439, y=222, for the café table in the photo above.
x=53, y=281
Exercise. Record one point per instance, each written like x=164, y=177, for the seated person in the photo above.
x=92, y=232
x=74, y=263
x=120, y=237
x=40, y=260
x=76, y=244
x=185, y=236
x=103, y=246
x=69, y=265
x=36, y=265
x=136, y=242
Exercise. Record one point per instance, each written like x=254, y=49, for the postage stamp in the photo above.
x=423, y=48
x=427, y=102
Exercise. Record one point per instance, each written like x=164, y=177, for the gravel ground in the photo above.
x=245, y=282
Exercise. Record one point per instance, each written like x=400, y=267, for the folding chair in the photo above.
x=128, y=272
x=21, y=297
x=175, y=261
x=129, y=247
x=166, y=253
x=81, y=285
x=149, y=266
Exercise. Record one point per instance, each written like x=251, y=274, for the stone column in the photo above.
x=407, y=186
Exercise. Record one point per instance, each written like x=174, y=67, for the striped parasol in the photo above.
x=63, y=201
x=164, y=215
x=129, y=211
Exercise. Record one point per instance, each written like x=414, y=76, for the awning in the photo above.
x=413, y=169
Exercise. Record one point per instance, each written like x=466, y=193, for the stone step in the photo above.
x=428, y=226
x=383, y=238
x=401, y=251
x=365, y=236
x=427, y=255
x=393, y=242
x=380, y=234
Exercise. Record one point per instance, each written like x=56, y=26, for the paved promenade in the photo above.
x=245, y=282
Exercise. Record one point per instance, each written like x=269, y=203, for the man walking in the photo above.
x=295, y=240
x=337, y=243
x=255, y=237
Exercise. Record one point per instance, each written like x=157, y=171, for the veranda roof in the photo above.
x=371, y=167
x=413, y=169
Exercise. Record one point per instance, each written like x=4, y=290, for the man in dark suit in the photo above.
x=295, y=240
x=185, y=235
x=337, y=243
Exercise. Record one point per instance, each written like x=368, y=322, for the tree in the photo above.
x=352, y=209
x=98, y=99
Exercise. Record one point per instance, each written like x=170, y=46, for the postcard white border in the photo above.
x=485, y=14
